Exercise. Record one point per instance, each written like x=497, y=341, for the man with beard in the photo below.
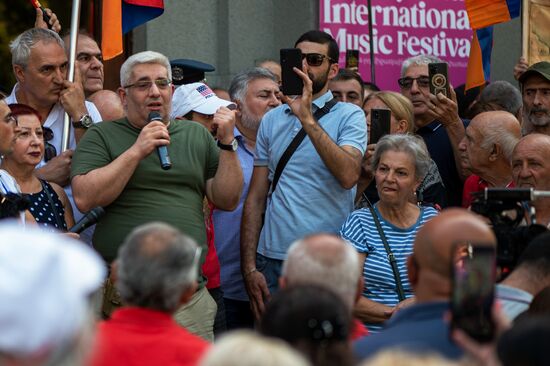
x=255, y=92
x=316, y=189
x=535, y=87
x=437, y=122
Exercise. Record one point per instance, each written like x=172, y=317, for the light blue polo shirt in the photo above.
x=308, y=198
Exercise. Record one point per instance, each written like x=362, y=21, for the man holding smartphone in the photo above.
x=316, y=189
x=437, y=122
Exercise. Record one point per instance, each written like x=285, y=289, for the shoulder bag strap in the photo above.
x=296, y=141
x=391, y=258
x=52, y=204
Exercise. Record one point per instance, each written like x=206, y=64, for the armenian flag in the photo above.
x=120, y=17
x=483, y=14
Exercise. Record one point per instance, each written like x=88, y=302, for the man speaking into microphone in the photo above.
x=116, y=166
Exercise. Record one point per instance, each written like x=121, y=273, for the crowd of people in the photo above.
x=243, y=226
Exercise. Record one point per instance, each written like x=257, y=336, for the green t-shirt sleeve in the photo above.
x=213, y=156
x=91, y=153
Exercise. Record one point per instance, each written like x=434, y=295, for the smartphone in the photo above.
x=352, y=59
x=380, y=120
x=474, y=276
x=439, y=81
x=292, y=84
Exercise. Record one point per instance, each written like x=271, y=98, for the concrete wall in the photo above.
x=229, y=34
x=233, y=34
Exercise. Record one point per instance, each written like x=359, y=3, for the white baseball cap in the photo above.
x=45, y=282
x=197, y=97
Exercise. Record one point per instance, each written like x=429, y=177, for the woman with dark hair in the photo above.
x=49, y=206
x=314, y=321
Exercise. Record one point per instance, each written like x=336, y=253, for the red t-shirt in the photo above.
x=475, y=184
x=138, y=336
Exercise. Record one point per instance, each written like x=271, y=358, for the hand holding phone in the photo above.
x=474, y=274
x=380, y=124
x=292, y=84
x=439, y=79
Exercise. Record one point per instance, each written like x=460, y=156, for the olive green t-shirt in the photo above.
x=172, y=196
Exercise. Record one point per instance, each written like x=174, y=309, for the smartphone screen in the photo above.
x=439, y=81
x=380, y=120
x=474, y=275
x=292, y=84
x=352, y=59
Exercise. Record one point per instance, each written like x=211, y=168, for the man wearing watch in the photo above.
x=115, y=166
x=40, y=66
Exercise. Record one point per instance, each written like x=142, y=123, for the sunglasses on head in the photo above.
x=315, y=59
x=50, y=151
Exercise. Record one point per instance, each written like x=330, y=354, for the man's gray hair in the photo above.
x=20, y=47
x=504, y=95
x=412, y=145
x=239, y=84
x=146, y=57
x=418, y=61
x=336, y=269
x=500, y=134
x=156, y=265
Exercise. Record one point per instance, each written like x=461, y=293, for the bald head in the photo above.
x=433, y=250
x=487, y=147
x=324, y=260
x=108, y=104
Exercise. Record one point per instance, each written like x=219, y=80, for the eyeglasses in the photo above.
x=315, y=59
x=11, y=118
x=50, y=151
x=421, y=81
x=145, y=85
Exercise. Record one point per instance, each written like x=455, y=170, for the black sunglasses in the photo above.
x=421, y=81
x=315, y=59
x=50, y=151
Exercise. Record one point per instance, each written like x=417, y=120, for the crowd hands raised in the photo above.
x=340, y=255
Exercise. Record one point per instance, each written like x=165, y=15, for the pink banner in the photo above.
x=401, y=29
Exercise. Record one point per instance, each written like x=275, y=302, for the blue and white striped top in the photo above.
x=360, y=230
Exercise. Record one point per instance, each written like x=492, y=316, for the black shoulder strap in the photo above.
x=391, y=258
x=296, y=141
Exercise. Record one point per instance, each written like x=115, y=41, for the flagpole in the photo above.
x=75, y=17
x=371, y=44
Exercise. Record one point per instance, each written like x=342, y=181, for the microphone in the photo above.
x=162, y=151
x=88, y=220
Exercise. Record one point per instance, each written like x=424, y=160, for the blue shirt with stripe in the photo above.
x=360, y=230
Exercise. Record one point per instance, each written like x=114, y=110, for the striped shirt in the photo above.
x=360, y=230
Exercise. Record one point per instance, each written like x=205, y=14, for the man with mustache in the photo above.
x=255, y=92
x=531, y=169
x=437, y=122
x=116, y=166
x=535, y=87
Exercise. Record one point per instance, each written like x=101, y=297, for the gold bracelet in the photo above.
x=250, y=272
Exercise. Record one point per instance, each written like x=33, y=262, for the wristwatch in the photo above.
x=84, y=122
x=231, y=147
